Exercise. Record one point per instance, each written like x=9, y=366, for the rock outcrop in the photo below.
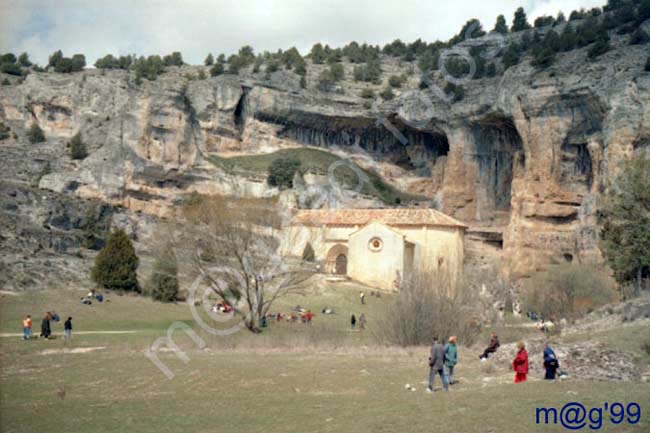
x=522, y=159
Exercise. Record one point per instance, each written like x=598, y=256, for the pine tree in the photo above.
x=217, y=69
x=520, y=21
x=647, y=64
x=116, y=264
x=35, y=134
x=77, y=147
x=501, y=26
x=209, y=60
x=625, y=217
x=163, y=283
x=511, y=56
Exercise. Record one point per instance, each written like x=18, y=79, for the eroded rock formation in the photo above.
x=522, y=159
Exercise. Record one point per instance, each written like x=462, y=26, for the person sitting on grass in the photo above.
x=520, y=363
x=451, y=358
x=492, y=347
x=436, y=365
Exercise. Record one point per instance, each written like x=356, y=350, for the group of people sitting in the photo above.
x=221, y=307
x=91, y=296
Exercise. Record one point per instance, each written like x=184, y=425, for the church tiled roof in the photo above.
x=390, y=217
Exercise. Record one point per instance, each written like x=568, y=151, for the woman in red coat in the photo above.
x=520, y=363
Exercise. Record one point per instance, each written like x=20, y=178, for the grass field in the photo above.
x=316, y=161
x=293, y=378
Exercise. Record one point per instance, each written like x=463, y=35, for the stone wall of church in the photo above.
x=376, y=256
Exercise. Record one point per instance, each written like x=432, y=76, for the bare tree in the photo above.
x=232, y=245
x=427, y=305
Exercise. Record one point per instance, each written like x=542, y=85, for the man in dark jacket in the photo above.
x=437, y=365
x=492, y=347
x=45, y=326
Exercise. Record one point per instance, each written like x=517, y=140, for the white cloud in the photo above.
x=196, y=27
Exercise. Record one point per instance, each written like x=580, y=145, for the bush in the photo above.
x=568, y=39
x=4, y=131
x=639, y=37
x=209, y=60
x=387, y=94
x=543, y=21
x=110, y=62
x=116, y=264
x=370, y=72
x=367, y=94
x=149, y=68
x=569, y=291
x=6, y=82
x=282, y=171
x=543, y=58
x=458, y=91
x=426, y=306
x=163, y=283
x=11, y=69
x=511, y=56
x=396, y=81
x=173, y=59
x=216, y=69
x=35, y=134
x=600, y=47
x=77, y=147
x=491, y=70
x=647, y=64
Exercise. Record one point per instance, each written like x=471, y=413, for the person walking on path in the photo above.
x=27, y=327
x=551, y=364
x=451, y=358
x=492, y=347
x=353, y=321
x=436, y=365
x=362, y=296
x=67, y=329
x=520, y=363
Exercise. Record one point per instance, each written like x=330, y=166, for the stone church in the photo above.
x=378, y=247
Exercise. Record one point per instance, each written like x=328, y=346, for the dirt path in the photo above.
x=19, y=334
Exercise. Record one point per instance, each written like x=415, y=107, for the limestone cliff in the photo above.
x=522, y=158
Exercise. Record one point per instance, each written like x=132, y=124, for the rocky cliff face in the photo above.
x=522, y=159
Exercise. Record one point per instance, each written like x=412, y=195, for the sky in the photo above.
x=196, y=27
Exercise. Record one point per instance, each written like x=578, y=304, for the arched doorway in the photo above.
x=341, y=264
x=337, y=260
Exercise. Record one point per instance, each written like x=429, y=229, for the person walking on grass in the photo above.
x=67, y=329
x=353, y=321
x=551, y=364
x=520, y=363
x=451, y=358
x=436, y=365
x=362, y=296
x=27, y=327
